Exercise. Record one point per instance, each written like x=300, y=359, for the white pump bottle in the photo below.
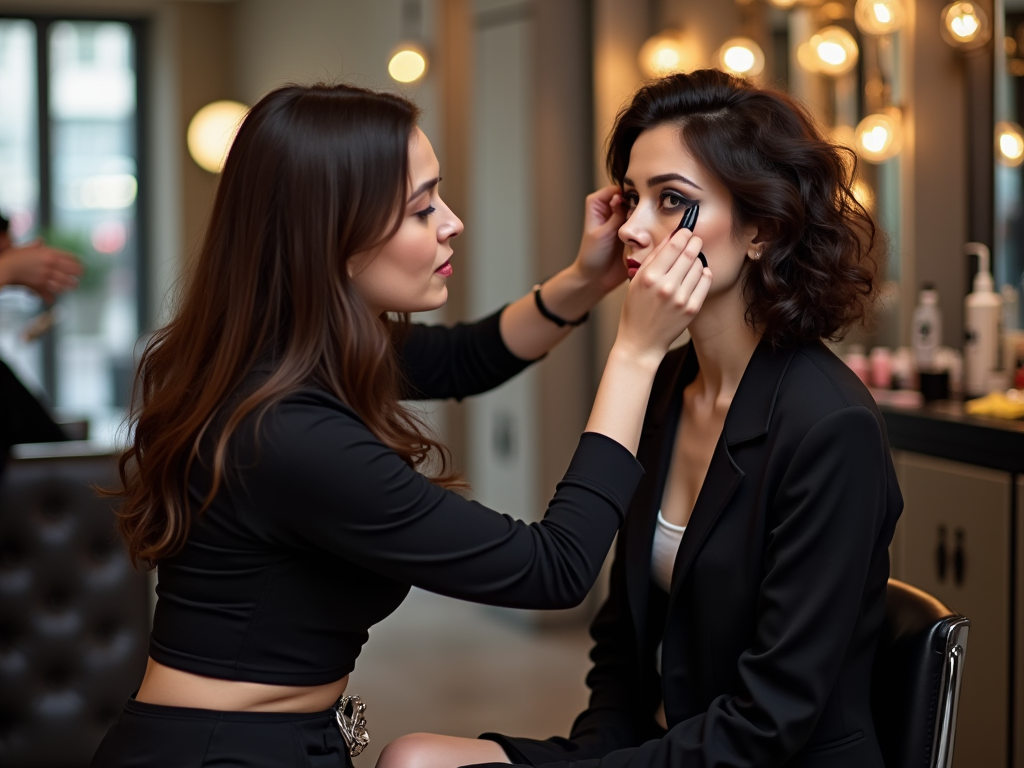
x=982, y=319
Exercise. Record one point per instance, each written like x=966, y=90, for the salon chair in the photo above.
x=74, y=615
x=916, y=682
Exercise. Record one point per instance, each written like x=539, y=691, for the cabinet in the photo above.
x=955, y=540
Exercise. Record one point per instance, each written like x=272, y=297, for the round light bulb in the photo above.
x=836, y=51
x=1009, y=144
x=879, y=137
x=879, y=17
x=662, y=55
x=741, y=56
x=212, y=131
x=965, y=25
x=408, y=63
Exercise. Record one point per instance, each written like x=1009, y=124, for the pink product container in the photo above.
x=858, y=363
x=881, y=368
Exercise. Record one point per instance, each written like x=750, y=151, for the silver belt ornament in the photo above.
x=348, y=713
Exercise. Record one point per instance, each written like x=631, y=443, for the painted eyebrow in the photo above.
x=656, y=180
x=423, y=188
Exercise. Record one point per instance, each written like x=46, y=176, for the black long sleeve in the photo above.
x=456, y=361
x=322, y=479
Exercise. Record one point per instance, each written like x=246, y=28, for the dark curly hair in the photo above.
x=816, y=274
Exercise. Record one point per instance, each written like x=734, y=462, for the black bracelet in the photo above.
x=561, y=322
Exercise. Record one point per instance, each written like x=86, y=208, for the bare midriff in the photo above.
x=177, y=688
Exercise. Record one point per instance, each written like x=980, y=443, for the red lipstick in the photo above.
x=632, y=265
x=445, y=270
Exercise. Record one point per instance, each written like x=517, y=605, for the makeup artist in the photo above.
x=48, y=272
x=287, y=497
x=749, y=581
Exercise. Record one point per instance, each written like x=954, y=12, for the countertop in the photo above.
x=942, y=429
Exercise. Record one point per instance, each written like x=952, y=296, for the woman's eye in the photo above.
x=629, y=202
x=672, y=201
x=425, y=213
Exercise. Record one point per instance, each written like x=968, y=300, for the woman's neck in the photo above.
x=724, y=343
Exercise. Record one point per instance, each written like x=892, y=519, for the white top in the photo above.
x=667, y=538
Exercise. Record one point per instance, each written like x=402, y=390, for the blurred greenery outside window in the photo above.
x=69, y=172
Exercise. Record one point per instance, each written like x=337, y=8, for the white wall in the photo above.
x=278, y=42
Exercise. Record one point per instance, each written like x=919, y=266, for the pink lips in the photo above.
x=445, y=270
x=632, y=265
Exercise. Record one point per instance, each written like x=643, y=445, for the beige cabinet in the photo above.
x=955, y=541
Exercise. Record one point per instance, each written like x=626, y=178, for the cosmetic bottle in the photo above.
x=983, y=310
x=926, y=328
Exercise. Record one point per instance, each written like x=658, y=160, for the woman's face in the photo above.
x=663, y=180
x=410, y=271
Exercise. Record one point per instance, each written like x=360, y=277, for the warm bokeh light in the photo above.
x=408, y=63
x=806, y=57
x=965, y=25
x=1009, y=144
x=662, y=55
x=836, y=51
x=741, y=56
x=863, y=194
x=211, y=132
x=783, y=3
x=879, y=17
x=879, y=136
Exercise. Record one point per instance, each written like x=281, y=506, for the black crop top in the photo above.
x=323, y=529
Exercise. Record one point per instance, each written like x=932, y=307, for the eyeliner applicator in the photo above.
x=689, y=221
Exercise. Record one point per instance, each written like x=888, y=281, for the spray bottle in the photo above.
x=983, y=310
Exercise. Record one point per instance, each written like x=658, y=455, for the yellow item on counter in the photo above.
x=1001, y=405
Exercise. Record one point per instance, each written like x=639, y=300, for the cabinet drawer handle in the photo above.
x=941, y=554
x=959, y=557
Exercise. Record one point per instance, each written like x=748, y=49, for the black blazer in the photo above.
x=778, y=591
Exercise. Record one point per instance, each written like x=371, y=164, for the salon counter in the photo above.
x=943, y=430
x=961, y=538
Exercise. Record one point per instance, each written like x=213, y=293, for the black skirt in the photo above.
x=155, y=736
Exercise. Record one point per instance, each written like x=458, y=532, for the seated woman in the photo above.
x=749, y=581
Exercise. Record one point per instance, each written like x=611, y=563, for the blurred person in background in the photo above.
x=286, y=495
x=749, y=582
x=48, y=272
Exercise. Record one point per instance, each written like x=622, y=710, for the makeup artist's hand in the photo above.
x=663, y=297
x=45, y=270
x=600, y=256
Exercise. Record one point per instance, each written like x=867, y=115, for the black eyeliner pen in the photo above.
x=689, y=221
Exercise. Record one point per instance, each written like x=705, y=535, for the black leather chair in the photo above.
x=916, y=686
x=74, y=616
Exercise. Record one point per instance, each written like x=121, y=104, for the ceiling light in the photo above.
x=211, y=132
x=836, y=51
x=741, y=56
x=879, y=17
x=408, y=63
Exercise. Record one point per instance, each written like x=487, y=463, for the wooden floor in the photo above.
x=444, y=666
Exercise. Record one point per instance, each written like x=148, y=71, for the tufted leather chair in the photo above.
x=916, y=681
x=74, y=616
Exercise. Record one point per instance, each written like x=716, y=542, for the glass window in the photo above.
x=89, y=206
x=19, y=184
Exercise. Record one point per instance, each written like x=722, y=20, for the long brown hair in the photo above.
x=316, y=174
x=817, y=273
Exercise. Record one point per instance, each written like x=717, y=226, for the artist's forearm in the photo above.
x=527, y=333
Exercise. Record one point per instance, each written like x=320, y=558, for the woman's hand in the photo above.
x=45, y=270
x=664, y=296
x=599, y=260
